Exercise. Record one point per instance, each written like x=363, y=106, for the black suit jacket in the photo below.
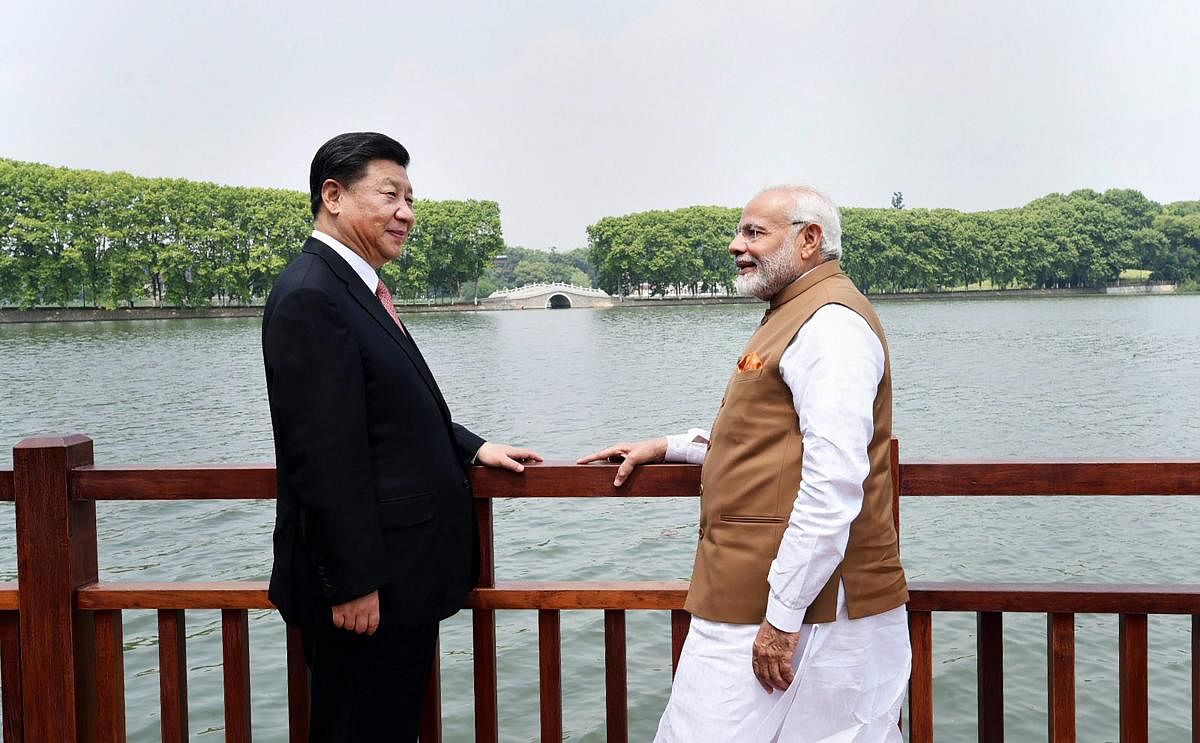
x=372, y=484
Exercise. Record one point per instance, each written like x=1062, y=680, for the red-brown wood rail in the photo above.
x=549, y=598
x=565, y=480
x=60, y=641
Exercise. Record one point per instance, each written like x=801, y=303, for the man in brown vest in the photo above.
x=797, y=586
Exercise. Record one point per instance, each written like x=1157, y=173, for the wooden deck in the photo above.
x=61, y=664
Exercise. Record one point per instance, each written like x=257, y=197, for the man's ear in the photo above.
x=331, y=195
x=810, y=240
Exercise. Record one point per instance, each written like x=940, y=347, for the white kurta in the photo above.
x=851, y=674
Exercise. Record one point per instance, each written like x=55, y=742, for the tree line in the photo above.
x=1081, y=239
x=81, y=237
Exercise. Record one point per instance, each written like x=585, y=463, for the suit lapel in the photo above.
x=369, y=302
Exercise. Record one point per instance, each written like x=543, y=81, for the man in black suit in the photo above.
x=375, y=538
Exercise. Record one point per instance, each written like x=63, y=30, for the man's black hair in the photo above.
x=345, y=157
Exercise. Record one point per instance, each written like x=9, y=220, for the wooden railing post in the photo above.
x=56, y=554
x=990, y=663
x=1060, y=677
x=483, y=621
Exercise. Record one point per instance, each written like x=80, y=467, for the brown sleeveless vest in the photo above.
x=753, y=469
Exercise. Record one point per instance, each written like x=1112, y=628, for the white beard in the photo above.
x=773, y=272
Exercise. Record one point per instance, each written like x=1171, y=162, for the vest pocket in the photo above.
x=738, y=519
x=748, y=376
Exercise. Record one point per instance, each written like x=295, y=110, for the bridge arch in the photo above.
x=558, y=295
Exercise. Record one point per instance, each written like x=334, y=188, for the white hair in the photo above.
x=811, y=206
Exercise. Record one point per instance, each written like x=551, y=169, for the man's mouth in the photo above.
x=398, y=234
x=745, y=266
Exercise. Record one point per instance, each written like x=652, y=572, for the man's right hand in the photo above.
x=359, y=615
x=630, y=456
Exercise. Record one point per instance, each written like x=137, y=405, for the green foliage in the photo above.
x=1084, y=238
x=524, y=266
x=111, y=239
x=664, y=250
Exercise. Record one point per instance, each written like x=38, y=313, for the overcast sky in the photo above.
x=566, y=112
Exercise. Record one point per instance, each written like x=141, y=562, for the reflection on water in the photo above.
x=1093, y=377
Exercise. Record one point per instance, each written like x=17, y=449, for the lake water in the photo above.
x=1095, y=377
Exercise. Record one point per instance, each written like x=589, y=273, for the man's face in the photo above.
x=766, y=259
x=375, y=215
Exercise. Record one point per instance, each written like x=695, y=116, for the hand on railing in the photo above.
x=505, y=456
x=630, y=456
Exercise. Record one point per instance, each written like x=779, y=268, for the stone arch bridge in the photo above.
x=556, y=296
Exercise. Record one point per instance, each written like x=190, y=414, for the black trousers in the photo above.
x=367, y=688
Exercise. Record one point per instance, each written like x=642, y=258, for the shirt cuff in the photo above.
x=684, y=447
x=784, y=618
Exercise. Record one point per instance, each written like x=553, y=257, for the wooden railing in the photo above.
x=62, y=668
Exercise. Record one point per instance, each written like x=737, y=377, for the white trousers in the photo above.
x=851, y=678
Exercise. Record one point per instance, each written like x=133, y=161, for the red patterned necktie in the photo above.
x=385, y=297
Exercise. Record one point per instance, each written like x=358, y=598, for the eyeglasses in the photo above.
x=750, y=233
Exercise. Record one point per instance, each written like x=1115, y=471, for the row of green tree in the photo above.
x=111, y=239
x=1084, y=238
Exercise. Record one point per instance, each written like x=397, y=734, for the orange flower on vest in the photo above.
x=749, y=362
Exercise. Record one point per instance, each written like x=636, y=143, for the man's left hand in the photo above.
x=503, y=455
x=772, y=658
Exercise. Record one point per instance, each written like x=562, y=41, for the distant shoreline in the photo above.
x=10, y=316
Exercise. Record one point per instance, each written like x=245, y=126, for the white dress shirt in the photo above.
x=356, y=261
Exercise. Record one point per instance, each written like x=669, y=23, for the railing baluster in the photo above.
x=990, y=664
x=172, y=675
x=1196, y=678
x=920, y=684
x=431, y=706
x=680, y=622
x=10, y=676
x=1135, y=721
x=550, y=662
x=483, y=625
x=110, y=677
x=616, y=692
x=487, y=728
x=297, y=681
x=1060, y=677
x=235, y=641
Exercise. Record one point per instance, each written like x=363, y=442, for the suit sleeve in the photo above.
x=318, y=409
x=468, y=443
